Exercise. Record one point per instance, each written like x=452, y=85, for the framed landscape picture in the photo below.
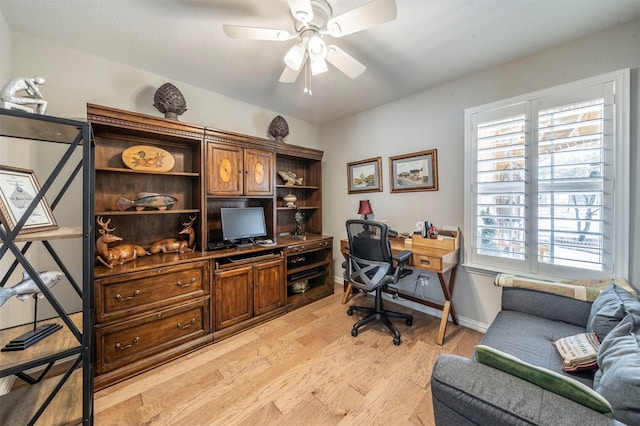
x=18, y=188
x=417, y=171
x=365, y=176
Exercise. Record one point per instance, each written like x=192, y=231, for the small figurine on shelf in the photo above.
x=290, y=200
x=119, y=254
x=147, y=200
x=299, y=218
x=27, y=287
x=174, y=245
x=21, y=91
x=290, y=178
x=23, y=291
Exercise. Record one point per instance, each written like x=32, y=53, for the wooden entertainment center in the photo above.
x=157, y=307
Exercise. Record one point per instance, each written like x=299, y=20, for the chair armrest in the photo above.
x=402, y=257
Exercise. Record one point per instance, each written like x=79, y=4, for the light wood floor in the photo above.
x=303, y=368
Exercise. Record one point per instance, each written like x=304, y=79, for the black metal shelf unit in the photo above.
x=69, y=350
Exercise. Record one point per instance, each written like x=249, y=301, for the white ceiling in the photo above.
x=430, y=42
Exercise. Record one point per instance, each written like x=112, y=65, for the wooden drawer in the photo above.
x=433, y=263
x=125, y=295
x=311, y=245
x=120, y=344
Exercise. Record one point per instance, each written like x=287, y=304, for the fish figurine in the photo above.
x=147, y=199
x=25, y=288
x=290, y=178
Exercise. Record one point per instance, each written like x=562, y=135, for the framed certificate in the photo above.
x=18, y=189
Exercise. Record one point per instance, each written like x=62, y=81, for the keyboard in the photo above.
x=220, y=245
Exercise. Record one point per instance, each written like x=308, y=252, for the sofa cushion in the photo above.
x=546, y=379
x=609, y=308
x=578, y=352
x=618, y=378
x=530, y=337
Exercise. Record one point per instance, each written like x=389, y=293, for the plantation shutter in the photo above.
x=543, y=195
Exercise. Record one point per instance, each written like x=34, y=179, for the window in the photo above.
x=548, y=178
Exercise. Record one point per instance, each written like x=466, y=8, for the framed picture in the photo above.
x=365, y=176
x=414, y=172
x=18, y=187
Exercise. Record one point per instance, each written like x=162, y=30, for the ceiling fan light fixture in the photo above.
x=295, y=57
x=317, y=48
x=318, y=66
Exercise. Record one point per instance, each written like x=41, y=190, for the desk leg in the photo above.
x=447, y=309
x=347, y=293
x=443, y=322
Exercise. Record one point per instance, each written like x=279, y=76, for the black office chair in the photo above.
x=370, y=266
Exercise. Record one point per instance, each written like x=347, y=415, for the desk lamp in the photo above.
x=365, y=209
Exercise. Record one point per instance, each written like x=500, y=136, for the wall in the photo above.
x=73, y=79
x=434, y=119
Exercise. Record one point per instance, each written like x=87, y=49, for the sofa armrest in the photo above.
x=546, y=305
x=465, y=392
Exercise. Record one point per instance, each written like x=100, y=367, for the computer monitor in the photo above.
x=241, y=224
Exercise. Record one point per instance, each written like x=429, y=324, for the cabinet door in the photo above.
x=269, y=290
x=224, y=169
x=234, y=296
x=258, y=172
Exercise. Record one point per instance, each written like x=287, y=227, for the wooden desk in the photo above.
x=431, y=258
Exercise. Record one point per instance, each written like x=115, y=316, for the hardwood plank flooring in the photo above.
x=303, y=368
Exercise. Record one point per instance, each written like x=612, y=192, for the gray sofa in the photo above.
x=467, y=392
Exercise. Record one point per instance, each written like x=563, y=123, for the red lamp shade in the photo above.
x=365, y=208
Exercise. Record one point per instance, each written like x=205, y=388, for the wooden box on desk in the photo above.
x=450, y=241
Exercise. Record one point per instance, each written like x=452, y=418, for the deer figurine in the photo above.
x=174, y=245
x=116, y=255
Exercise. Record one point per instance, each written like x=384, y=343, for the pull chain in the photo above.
x=307, y=78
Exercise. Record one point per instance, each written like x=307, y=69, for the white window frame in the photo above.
x=616, y=245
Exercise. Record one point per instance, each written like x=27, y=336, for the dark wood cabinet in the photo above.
x=235, y=171
x=157, y=307
x=246, y=291
x=148, y=313
x=307, y=165
x=116, y=131
x=309, y=270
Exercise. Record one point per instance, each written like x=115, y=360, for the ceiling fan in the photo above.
x=314, y=19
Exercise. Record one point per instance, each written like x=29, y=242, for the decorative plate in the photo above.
x=148, y=158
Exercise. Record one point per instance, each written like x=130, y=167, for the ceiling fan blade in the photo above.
x=301, y=10
x=255, y=33
x=360, y=18
x=344, y=62
x=288, y=75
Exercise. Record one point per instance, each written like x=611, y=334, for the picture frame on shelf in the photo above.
x=18, y=187
x=417, y=171
x=365, y=175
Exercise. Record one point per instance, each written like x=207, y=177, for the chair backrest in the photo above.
x=369, y=240
x=370, y=260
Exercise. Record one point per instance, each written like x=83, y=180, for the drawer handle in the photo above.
x=187, y=325
x=425, y=261
x=122, y=348
x=123, y=299
x=183, y=285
